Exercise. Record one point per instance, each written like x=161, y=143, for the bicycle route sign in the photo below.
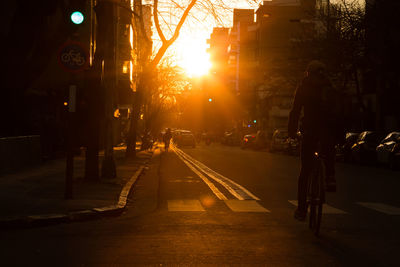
x=73, y=57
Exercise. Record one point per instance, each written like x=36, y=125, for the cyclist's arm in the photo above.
x=295, y=112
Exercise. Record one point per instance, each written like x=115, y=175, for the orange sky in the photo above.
x=189, y=51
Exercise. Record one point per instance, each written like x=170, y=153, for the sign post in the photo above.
x=73, y=58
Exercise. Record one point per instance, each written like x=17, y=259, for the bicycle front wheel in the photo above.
x=318, y=218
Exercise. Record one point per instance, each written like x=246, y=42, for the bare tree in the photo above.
x=168, y=16
x=169, y=85
x=340, y=42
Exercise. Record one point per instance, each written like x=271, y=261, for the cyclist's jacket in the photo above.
x=322, y=107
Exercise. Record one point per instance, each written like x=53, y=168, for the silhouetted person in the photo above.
x=167, y=138
x=320, y=127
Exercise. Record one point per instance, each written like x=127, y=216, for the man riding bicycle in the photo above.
x=320, y=126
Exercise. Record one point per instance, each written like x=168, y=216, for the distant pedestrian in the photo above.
x=167, y=139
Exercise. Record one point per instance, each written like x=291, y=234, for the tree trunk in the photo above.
x=132, y=135
x=93, y=125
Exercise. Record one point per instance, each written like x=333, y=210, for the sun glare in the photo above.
x=193, y=57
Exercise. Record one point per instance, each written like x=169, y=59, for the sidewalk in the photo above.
x=36, y=196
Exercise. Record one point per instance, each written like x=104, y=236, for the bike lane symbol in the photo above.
x=73, y=57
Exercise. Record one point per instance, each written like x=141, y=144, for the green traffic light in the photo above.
x=77, y=17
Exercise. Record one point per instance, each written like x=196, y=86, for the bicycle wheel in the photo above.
x=320, y=195
x=317, y=196
x=311, y=200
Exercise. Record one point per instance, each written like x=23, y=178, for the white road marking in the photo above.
x=245, y=206
x=327, y=209
x=185, y=205
x=205, y=179
x=381, y=207
x=235, y=189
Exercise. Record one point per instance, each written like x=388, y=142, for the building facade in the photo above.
x=263, y=61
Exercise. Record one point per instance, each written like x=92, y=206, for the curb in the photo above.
x=76, y=216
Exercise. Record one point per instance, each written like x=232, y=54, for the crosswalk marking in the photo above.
x=380, y=207
x=327, y=209
x=245, y=206
x=185, y=205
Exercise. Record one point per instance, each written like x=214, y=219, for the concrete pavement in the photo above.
x=35, y=197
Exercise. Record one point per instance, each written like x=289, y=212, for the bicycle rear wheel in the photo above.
x=313, y=221
x=317, y=198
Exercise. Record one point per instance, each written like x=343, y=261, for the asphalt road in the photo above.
x=218, y=205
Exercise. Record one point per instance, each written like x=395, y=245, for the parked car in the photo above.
x=343, y=152
x=364, y=150
x=279, y=140
x=293, y=145
x=249, y=141
x=184, y=138
x=394, y=159
x=384, y=149
x=231, y=138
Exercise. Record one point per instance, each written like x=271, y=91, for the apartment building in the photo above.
x=282, y=25
x=218, y=50
x=242, y=61
x=263, y=61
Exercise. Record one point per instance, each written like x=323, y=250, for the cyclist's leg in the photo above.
x=307, y=150
x=328, y=154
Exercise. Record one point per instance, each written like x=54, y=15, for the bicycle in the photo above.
x=316, y=193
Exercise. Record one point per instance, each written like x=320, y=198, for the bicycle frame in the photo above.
x=316, y=193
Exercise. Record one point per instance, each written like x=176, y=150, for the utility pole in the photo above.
x=74, y=58
x=106, y=42
x=69, y=169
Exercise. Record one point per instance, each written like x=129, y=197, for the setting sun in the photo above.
x=193, y=57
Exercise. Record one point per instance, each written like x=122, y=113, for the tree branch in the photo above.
x=157, y=22
x=167, y=43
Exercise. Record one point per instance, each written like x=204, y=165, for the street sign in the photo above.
x=73, y=57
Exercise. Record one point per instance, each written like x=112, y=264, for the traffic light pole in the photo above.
x=69, y=169
x=106, y=44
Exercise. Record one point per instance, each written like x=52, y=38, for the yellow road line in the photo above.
x=205, y=179
x=219, y=178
